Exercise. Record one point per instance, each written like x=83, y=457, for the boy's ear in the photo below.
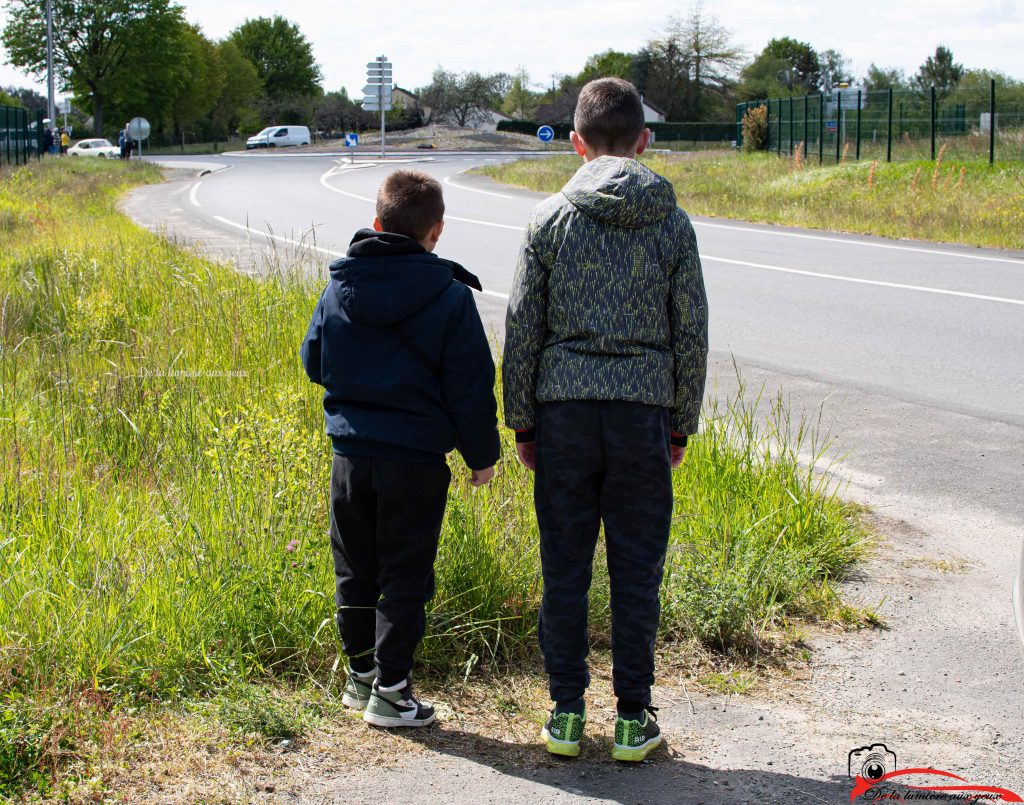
x=376, y=224
x=643, y=141
x=577, y=143
x=435, y=232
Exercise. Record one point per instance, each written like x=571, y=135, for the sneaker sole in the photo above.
x=396, y=721
x=634, y=754
x=557, y=747
x=354, y=703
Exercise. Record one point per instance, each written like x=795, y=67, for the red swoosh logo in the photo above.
x=861, y=785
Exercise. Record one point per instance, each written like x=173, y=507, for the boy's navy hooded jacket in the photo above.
x=398, y=345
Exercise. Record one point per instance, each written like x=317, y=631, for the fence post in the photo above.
x=791, y=125
x=858, y=124
x=7, y=133
x=992, y=123
x=933, y=123
x=888, y=123
x=778, y=132
x=821, y=128
x=839, y=123
x=806, y=101
x=39, y=135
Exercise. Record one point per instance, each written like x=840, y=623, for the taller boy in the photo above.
x=605, y=358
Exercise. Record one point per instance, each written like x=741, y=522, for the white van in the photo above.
x=279, y=136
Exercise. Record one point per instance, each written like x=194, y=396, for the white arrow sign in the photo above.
x=373, y=89
x=379, y=64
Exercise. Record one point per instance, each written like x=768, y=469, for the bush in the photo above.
x=755, y=129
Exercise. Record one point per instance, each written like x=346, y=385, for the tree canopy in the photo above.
x=939, y=71
x=282, y=55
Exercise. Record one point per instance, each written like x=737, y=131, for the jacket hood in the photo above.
x=621, y=192
x=386, y=278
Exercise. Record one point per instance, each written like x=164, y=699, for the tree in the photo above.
x=520, y=100
x=241, y=89
x=609, y=64
x=939, y=71
x=880, y=79
x=111, y=52
x=766, y=77
x=8, y=100
x=803, y=69
x=463, y=99
x=835, y=69
x=201, y=83
x=282, y=55
x=714, y=60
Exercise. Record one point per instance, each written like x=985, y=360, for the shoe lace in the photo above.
x=652, y=712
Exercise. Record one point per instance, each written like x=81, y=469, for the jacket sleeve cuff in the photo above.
x=526, y=435
x=678, y=439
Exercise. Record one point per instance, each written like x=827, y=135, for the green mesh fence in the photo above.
x=852, y=124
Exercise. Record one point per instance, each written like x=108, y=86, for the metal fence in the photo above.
x=851, y=124
x=21, y=135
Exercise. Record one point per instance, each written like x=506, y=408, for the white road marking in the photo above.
x=448, y=181
x=763, y=266
x=192, y=195
x=869, y=243
x=329, y=186
x=920, y=288
x=320, y=249
x=279, y=238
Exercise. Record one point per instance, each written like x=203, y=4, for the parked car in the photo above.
x=95, y=148
x=279, y=136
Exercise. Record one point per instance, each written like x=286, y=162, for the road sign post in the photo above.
x=545, y=134
x=377, y=92
x=138, y=130
x=351, y=141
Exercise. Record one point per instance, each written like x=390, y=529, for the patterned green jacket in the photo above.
x=608, y=300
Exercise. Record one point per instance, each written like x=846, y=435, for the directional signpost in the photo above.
x=138, y=130
x=377, y=92
x=545, y=134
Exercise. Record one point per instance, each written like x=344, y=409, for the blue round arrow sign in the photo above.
x=545, y=134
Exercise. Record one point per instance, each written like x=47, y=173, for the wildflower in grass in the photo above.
x=938, y=167
x=292, y=546
x=960, y=181
x=917, y=175
x=871, y=173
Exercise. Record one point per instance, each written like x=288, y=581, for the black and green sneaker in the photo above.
x=357, y=689
x=563, y=731
x=396, y=707
x=636, y=737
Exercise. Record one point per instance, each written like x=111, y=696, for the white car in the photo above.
x=95, y=148
x=279, y=136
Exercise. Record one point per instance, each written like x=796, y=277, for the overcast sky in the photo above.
x=556, y=36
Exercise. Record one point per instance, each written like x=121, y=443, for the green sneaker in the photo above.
x=357, y=689
x=562, y=733
x=389, y=707
x=634, y=739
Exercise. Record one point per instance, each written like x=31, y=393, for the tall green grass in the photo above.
x=163, y=504
x=950, y=201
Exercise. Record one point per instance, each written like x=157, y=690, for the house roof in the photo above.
x=653, y=106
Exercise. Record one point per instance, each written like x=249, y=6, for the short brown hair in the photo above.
x=410, y=203
x=609, y=115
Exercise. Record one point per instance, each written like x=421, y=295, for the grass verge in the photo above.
x=944, y=201
x=163, y=500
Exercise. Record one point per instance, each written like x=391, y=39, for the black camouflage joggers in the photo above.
x=609, y=461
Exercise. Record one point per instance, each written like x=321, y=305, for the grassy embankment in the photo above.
x=163, y=513
x=955, y=202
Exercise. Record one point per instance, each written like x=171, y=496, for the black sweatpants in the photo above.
x=602, y=461
x=385, y=524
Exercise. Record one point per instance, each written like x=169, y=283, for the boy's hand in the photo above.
x=527, y=454
x=678, y=453
x=481, y=477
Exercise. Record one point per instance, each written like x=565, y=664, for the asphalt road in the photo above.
x=935, y=324
x=911, y=354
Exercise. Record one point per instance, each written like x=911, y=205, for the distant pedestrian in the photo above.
x=604, y=365
x=48, y=140
x=397, y=343
x=122, y=142
x=65, y=141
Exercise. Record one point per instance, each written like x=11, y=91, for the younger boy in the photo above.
x=605, y=355
x=397, y=343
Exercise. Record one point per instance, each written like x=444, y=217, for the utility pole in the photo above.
x=50, y=108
